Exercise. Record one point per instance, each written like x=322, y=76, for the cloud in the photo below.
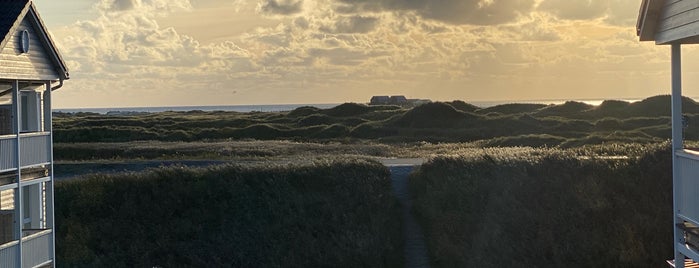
x=536, y=27
x=623, y=12
x=345, y=50
x=154, y=7
x=352, y=24
x=119, y=5
x=280, y=7
x=616, y=12
x=477, y=12
x=575, y=10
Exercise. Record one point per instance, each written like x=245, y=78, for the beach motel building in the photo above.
x=30, y=69
x=676, y=23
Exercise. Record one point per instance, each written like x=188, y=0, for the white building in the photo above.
x=30, y=68
x=674, y=23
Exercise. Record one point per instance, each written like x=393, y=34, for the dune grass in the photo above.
x=524, y=207
x=333, y=213
x=568, y=125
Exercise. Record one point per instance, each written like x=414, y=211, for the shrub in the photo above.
x=434, y=115
x=523, y=207
x=336, y=213
x=347, y=109
x=512, y=108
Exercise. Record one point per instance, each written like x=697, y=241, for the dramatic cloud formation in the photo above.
x=481, y=12
x=281, y=7
x=314, y=51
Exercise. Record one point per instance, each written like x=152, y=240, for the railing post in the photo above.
x=50, y=221
x=677, y=145
x=18, y=157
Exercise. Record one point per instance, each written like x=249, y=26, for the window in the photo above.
x=32, y=208
x=29, y=110
x=7, y=215
x=6, y=120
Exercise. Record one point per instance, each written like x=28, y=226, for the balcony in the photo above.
x=688, y=167
x=35, y=250
x=35, y=150
x=687, y=190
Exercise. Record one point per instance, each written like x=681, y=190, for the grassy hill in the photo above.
x=569, y=124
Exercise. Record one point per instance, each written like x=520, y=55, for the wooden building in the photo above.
x=676, y=23
x=30, y=69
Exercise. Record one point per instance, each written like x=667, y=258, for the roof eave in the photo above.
x=63, y=71
x=648, y=19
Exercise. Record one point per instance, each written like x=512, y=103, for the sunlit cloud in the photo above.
x=346, y=50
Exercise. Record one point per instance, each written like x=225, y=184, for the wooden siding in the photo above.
x=679, y=20
x=7, y=200
x=34, y=65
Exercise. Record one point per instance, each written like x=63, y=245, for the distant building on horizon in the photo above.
x=379, y=100
x=398, y=100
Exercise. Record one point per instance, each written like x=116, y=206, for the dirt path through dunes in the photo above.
x=415, y=250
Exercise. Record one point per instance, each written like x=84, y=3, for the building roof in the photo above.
x=669, y=21
x=9, y=13
x=648, y=19
x=12, y=12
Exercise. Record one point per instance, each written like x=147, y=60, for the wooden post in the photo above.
x=50, y=221
x=18, y=193
x=676, y=146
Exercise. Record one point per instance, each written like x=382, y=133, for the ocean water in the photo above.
x=288, y=107
x=231, y=108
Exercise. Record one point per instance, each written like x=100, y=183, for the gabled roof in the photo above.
x=648, y=19
x=12, y=12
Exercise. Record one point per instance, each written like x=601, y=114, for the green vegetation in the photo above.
x=332, y=213
x=595, y=192
x=568, y=125
x=524, y=207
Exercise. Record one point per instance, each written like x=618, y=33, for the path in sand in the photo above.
x=415, y=250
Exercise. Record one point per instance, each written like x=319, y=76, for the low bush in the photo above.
x=546, y=208
x=337, y=213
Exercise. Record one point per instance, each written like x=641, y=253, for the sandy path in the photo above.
x=415, y=250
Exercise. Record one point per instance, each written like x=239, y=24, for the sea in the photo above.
x=285, y=107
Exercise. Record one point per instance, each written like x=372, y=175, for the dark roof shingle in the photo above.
x=9, y=12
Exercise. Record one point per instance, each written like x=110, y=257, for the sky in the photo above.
x=146, y=53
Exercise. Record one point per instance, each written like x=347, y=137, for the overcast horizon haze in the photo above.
x=142, y=53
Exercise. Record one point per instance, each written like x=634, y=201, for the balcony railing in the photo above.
x=36, y=250
x=688, y=167
x=34, y=150
x=8, y=254
x=8, y=152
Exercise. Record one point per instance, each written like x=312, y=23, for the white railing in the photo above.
x=688, y=185
x=8, y=254
x=36, y=249
x=8, y=151
x=34, y=150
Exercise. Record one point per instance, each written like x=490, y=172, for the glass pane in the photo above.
x=24, y=104
x=7, y=214
x=6, y=120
